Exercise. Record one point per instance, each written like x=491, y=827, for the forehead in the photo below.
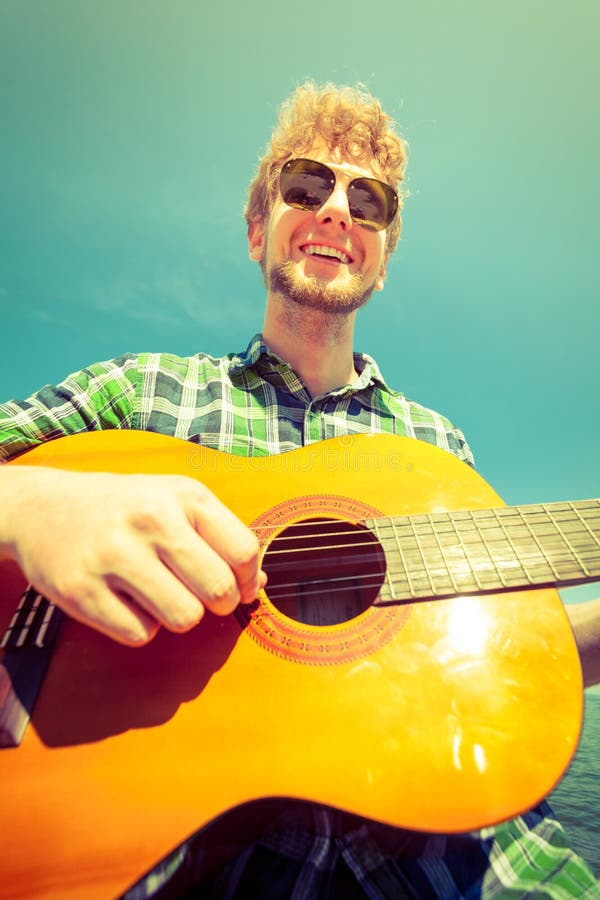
x=345, y=165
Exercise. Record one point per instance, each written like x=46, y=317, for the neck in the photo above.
x=318, y=345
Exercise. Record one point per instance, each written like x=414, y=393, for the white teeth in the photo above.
x=322, y=250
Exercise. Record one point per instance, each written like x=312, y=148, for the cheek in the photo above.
x=284, y=223
x=375, y=250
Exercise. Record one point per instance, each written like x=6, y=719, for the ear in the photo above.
x=379, y=281
x=256, y=239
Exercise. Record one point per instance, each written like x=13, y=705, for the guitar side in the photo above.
x=458, y=713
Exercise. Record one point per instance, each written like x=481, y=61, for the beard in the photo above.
x=318, y=293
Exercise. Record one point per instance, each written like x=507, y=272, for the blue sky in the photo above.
x=130, y=132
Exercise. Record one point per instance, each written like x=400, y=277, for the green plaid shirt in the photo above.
x=253, y=404
x=250, y=403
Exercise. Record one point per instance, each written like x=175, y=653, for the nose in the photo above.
x=335, y=210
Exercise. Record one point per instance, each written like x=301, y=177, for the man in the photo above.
x=129, y=554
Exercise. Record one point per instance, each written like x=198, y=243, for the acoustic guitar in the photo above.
x=408, y=662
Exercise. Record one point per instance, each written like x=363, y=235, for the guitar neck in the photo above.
x=485, y=550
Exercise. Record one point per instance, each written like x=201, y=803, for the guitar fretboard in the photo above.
x=486, y=550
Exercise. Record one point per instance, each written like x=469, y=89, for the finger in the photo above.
x=159, y=594
x=175, y=579
x=146, y=627
x=233, y=542
x=262, y=582
x=111, y=613
x=203, y=571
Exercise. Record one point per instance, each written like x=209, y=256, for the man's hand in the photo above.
x=127, y=553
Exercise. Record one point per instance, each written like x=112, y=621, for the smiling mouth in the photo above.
x=322, y=251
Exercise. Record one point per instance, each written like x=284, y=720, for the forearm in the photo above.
x=585, y=622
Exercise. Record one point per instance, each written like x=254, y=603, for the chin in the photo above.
x=319, y=293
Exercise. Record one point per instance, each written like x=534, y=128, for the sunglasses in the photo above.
x=306, y=184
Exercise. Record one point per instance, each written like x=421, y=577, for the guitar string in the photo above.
x=374, y=581
x=521, y=551
x=402, y=591
x=549, y=511
x=502, y=535
x=458, y=576
x=469, y=582
x=569, y=543
x=491, y=516
x=458, y=569
x=500, y=519
x=441, y=568
x=400, y=584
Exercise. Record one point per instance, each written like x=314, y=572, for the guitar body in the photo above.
x=438, y=715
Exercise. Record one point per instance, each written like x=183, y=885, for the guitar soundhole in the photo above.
x=324, y=571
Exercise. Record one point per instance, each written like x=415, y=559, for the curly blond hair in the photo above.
x=347, y=119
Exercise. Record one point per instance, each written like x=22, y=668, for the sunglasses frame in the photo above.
x=382, y=190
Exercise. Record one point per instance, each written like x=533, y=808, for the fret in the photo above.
x=25, y=630
x=13, y=621
x=519, y=537
x=18, y=630
x=415, y=561
x=486, y=543
x=593, y=560
x=467, y=555
x=405, y=569
x=448, y=570
x=566, y=539
x=49, y=626
x=573, y=555
x=425, y=571
x=375, y=526
x=435, y=563
x=526, y=547
x=493, y=571
x=459, y=524
x=31, y=622
x=501, y=546
x=531, y=541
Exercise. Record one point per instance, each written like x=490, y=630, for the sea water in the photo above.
x=576, y=800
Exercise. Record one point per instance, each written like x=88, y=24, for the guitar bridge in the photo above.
x=27, y=647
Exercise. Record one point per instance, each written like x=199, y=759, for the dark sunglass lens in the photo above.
x=373, y=204
x=305, y=184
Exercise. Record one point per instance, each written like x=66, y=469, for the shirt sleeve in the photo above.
x=96, y=398
x=457, y=444
x=434, y=428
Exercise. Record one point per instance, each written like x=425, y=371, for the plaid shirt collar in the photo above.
x=258, y=352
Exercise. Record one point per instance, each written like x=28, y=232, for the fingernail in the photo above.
x=251, y=595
